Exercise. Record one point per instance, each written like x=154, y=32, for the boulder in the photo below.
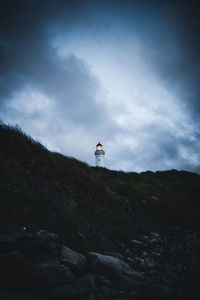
x=31, y=243
x=109, y=265
x=155, y=234
x=47, y=236
x=9, y=241
x=74, y=260
x=81, y=287
x=155, y=198
x=103, y=281
x=109, y=293
x=16, y=295
x=99, y=296
x=49, y=272
x=12, y=258
x=136, y=242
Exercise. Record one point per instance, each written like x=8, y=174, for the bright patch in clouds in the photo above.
x=135, y=98
x=31, y=110
x=37, y=102
x=130, y=88
x=126, y=74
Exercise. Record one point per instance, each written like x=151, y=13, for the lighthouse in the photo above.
x=99, y=154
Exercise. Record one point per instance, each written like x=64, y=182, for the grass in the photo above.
x=39, y=188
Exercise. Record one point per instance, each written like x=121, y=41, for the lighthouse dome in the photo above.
x=99, y=150
x=99, y=146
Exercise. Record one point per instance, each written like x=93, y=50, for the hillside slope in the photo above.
x=70, y=231
x=89, y=207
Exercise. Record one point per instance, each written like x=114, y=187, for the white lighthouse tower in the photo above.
x=99, y=153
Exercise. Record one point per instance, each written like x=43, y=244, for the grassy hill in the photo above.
x=89, y=206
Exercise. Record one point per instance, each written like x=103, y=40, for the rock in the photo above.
x=49, y=272
x=15, y=295
x=150, y=263
x=81, y=287
x=130, y=260
x=154, y=198
x=108, y=293
x=11, y=258
x=166, y=291
x=153, y=241
x=48, y=236
x=74, y=260
x=155, y=234
x=31, y=243
x=8, y=241
x=82, y=236
x=136, y=242
x=91, y=297
x=133, y=294
x=144, y=253
x=109, y=265
x=40, y=242
x=4, y=295
x=99, y=296
x=156, y=254
x=104, y=281
x=139, y=262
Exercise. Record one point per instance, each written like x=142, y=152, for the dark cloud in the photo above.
x=28, y=58
x=169, y=31
x=172, y=36
x=160, y=149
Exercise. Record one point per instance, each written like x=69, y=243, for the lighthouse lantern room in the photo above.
x=99, y=154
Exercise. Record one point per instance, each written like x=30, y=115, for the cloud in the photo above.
x=125, y=73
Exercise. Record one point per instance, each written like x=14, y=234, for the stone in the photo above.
x=156, y=254
x=82, y=236
x=136, y=242
x=91, y=297
x=153, y=241
x=9, y=241
x=75, y=261
x=108, y=293
x=140, y=262
x=15, y=295
x=48, y=236
x=109, y=265
x=4, y=295
x=145, y=237
x=11, y=258
x=104, y=281
x=155, y=234
x=50, y=272
x=155, y=198
x=130, y=260
x=99, y=296
x=81, y=287
x=150, y=262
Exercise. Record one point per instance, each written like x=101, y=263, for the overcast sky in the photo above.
x=125, y=73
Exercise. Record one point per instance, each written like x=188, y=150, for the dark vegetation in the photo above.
x=89, y=207
x=143, y=227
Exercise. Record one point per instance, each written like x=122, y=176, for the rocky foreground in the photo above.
x=36, y=265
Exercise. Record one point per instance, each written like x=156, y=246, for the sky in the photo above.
x=123, y=73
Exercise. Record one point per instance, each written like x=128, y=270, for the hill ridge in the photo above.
x=49, y=190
